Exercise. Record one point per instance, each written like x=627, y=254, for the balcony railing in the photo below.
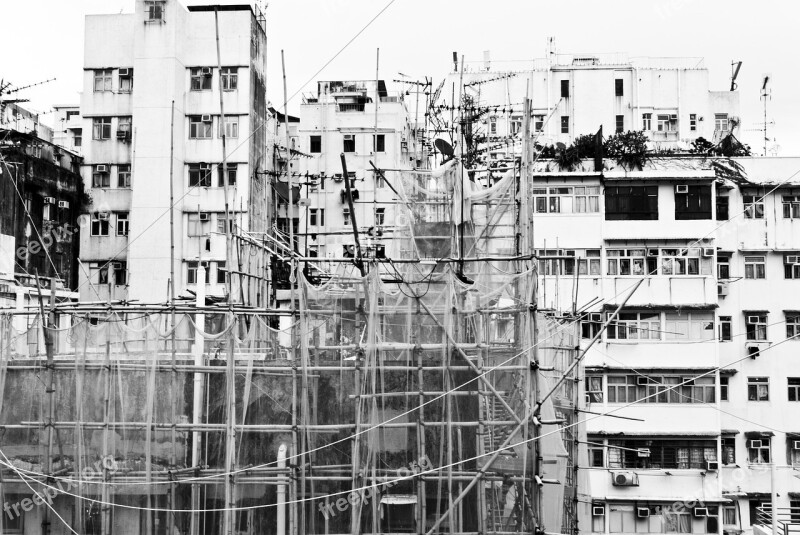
x=788, y=519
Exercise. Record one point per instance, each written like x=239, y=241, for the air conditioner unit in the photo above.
x=123, y=134
x=681, y=188
x=587, y=398
x=652, y=252
x=101, y=168
x=700, y=511
x=206, y=71
x=793, y=259
x=755, y=443
x=103, y=216
x=642, y=381
x=712, y=466
x=643, y=452
x=708, y=252
x=116, y=265
x=598, y=510
x=595, y=317
x=796, y=445
x=205, y=167
x=337, y=177
x=642, y=512
x=753, y=319
x=204, y=216
x=723, y=288
x=673, y=117
x=49, y=200
x=125, y=72
x=63, y=204
x=624, y=479
x=205, y=118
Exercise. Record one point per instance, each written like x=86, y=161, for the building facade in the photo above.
x=152, y=103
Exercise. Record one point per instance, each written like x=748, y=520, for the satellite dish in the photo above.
x=444, y=147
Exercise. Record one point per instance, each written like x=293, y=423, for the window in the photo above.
x=200, y=78
x=635, y=326
x=694, y=204
x=102, y=80
x=120, y=272
x=346, y=216
x=78, y=137
x=199, y=224
x=564, y=88
x=315, y=144
x=596, y=456
x=124, y=175
x=515, y=124
x=221, y=273
x=693, y=122
x=221, y=223
x=756, y=325
x=563, y=262
x=13, y=523
x=647, y=121
x=99, y=224
x=724, y=383
x=379, y=143
x=102, y=274
x=721, y=122
x=199, y=175
x=380, y=216
x=538, y=123
x=493, y=125
x=231, y=127
x=122, y=223
x=620, y=126
x=794, y=388
x=725, y=333
x=316, y=216
x=229, y=76
x=722, y=207
x=758, y=450
x=154, y=10
x=101, y=128
x=758, y=388
x=723, y=267
x=791, y=206
x=618, y=87
x=753, y=206
x=793, y=325
x=565, y=124
x=630, y=262
x=48, y=212
x=349, y=143
x=728, y=450
x=687, y=454
x=729, y=515
x=231, y=175
x=101, y=178
x=125, y=80
x=191, y=273
x=124, y=128
x=694, y=325
x=200, y=127
x=567, y=199
x=755, y=267
x=594, y=388
x=631, y=203
x=667, y=123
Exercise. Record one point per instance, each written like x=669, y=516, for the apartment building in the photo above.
x=67, y=127
x=670, y=99
x=151, y=111
x=689, y=388
x=366, y=123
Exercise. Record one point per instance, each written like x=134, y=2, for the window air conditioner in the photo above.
x=63, y=204
x=700, y=511
x=681, y=188
x=642, y=512
x=206, y=71
x=598, y=510
x=624, y=479
x=204, y=216
x=49, y=200
x=643, y=452
x=101, y=168
x=205, y=118
x=116, y=265
x=642, y=381
x=673, y=117
x=796, y=445
x=708, y=252
x=103, y=216
x=125, y=72
x=712, y=466
x=793, y=259
x=587, y=398
x=755, y=443
x=205, y=167
x=122, y=135
x=753, y=319
x=595, y=317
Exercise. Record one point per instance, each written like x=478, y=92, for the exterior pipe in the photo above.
x=281, y=502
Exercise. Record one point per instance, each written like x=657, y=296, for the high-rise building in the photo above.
x=156, y=85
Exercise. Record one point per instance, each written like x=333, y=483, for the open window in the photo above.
x=399, y=513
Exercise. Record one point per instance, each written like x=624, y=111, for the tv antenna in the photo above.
x=766, y=94
x=735, y=66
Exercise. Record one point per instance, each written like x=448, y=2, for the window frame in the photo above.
x=99, y=227
x=550, y=199
x=791, y=271
x=101, y=179
x=199, y=174
x=619, y=124
x=619, y=87
x=692, y=122
x=199, y=81
x=725, y=328
x=349, y=143
x=101, y=128
x=756, y=332
x=125, y=82
x=755, y=267
x=379, y=143
x=790, y=205
x=758, y=388
x=647, y=121
x=724, y=388
x=753, y=205
x=229, y=78
x=631, y=203
x=199, y=129
x=231, y=127
x=103, y=78
x=315, y=144
x=793, y=326
x=565, y=88
x=232, y=172
x=122, y=223
x=793, y=389
x=755, y=455
x=565, y=124
x=695, y=204
x=124, y=175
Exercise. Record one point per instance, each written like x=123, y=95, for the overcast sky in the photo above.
x=42, y=39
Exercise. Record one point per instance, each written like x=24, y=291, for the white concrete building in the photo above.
x=366, y=122
x=670, y=99
x=67, y=127
x=151, y=114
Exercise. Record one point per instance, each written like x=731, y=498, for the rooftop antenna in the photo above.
x=455, y=61
x=766, y=94
x=735, y=66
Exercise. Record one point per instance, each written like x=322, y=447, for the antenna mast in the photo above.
x=766, y=95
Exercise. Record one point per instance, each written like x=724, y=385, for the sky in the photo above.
x=42, y=39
